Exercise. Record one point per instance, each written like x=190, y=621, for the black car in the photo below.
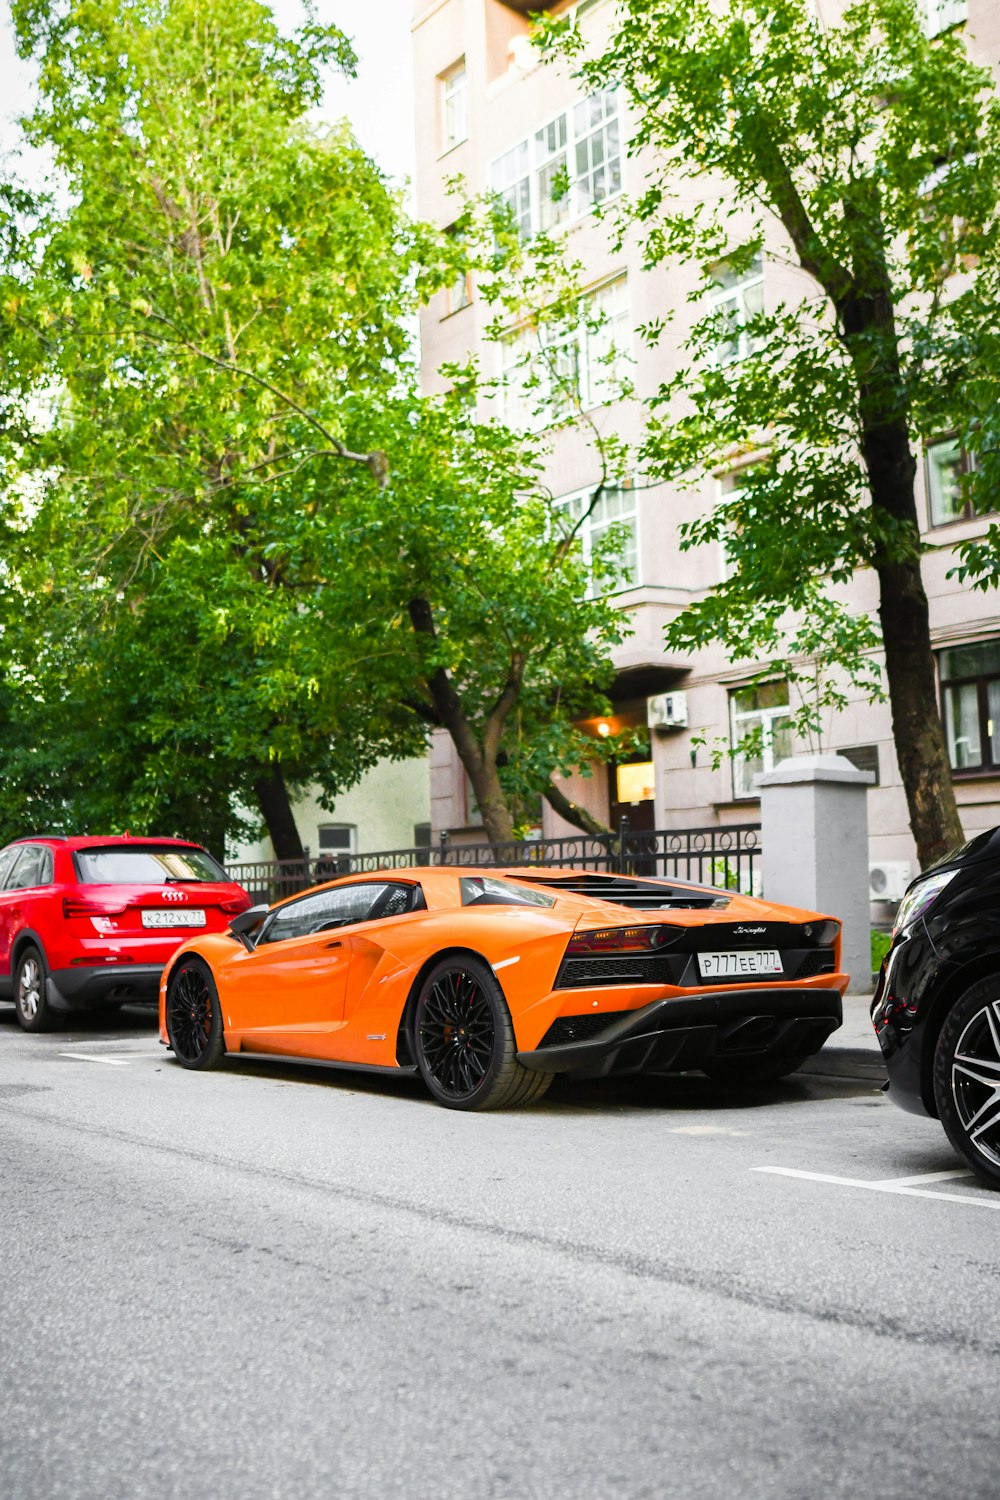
x=936, y=1009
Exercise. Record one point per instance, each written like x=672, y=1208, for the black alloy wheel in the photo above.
x=967, y=1078
x=34, y=1013
x=464, y=1040
x=194, y=1016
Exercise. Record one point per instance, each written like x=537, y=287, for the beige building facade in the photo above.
x=488, y=111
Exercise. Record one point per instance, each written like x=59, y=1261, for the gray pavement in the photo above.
x=281, y=1281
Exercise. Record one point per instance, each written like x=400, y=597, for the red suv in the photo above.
x=90, y=922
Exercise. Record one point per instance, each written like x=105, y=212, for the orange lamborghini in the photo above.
x=488, y=984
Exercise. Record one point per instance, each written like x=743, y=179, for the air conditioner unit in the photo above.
x=667, y=711
x=888, y=881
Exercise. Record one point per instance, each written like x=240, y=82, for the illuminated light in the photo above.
x=604, y=729
x=620, y=939
x=636, y=781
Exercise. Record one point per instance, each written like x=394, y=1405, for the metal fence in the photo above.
x=726, y=857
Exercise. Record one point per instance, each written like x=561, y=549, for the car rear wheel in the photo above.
x=464, y=1040
x=967, y=1078
x=194, y=1016
x=34, y=1013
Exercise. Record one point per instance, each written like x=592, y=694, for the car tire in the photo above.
x=463, y=1040
x=194, y=1016
x=966, y=1076
x=748, y=1070
x=31, y=1004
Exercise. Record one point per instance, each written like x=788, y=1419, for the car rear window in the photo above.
x=146, y=865
x=484, y=890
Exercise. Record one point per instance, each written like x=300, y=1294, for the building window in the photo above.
x=568, y=166
x=454, y=96
x=737, y=298
x=943, y=14
x=615, y=508
x=459, y=292
x=598, y=158
x=338, y=838
x=758, y=714
x=970, y=692
x=947, y=465
x=580, y=364
x=551, y=166
x=511, y=180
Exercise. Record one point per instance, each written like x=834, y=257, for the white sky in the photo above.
x=379, y=103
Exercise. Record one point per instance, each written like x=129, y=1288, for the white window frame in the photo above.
x=351, y=846
x=454, y=105
x=942, y=15
x=742, y=722
x=459, y=292
x=736, y=296
x=591, y=530
x=961, y=462
x=591, y=349
x=518, y=175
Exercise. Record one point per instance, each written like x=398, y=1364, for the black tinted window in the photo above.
x=484, y=890
x=336, y=908
x=146, y=865
x=34, y=867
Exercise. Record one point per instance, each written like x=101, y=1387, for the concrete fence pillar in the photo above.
x=814, y=847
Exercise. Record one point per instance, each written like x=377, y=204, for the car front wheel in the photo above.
x=34, y=1013
x=967, y=1078
x=194, y=1016
x=465, y=1045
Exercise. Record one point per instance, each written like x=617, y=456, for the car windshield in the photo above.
x=150, y=864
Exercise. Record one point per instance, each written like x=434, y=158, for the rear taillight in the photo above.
x=622, y=939
x=236, y=904
x=74, y=906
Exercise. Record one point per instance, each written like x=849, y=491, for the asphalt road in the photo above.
x=277, y=1281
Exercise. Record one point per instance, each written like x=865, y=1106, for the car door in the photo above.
x=27, y=875
x=288, y=994
x=9, y=905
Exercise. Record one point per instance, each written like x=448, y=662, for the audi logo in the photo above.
x=172, y=895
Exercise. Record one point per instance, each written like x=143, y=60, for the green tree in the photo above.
x=865, y=155
x=269, y=559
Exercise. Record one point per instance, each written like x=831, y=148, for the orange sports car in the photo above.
x=488, y=984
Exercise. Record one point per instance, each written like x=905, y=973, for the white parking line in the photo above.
x=112, y=1062
x=904, y=1187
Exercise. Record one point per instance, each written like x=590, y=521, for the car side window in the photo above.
x=7, y=858
x=30, y=868
x=339, y=907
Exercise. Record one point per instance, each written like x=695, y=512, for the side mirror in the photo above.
x=247, y=924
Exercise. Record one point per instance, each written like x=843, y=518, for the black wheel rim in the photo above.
x=189, y=1013
x=975, y=1082
x=457, y=1033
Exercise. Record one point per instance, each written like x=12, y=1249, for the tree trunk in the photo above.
x=903, y=611
x=492, y=804
x=574, y=813
x=276, y=810
x=863, y=297
x=916, y=722
x=479, y=760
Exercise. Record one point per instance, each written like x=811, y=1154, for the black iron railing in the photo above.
x=726, y=857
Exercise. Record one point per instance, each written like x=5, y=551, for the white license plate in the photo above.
x=191, y=916
x=732, y=965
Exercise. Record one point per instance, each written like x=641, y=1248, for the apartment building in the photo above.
x=488, y=111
